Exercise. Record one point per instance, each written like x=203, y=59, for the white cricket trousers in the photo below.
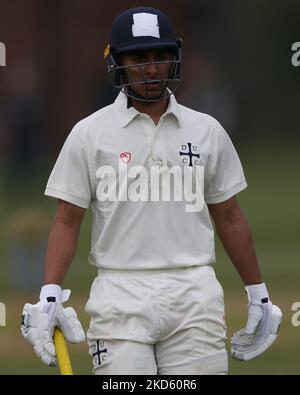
x=166, y=322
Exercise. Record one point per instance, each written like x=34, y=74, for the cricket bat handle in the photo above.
x=62, y=353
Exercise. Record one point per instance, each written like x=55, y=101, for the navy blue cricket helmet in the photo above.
x=141, y=29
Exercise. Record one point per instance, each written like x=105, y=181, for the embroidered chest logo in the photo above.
x=126, y=157
x=96, y=352
x=190, y=154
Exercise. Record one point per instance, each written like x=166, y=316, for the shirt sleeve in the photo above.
x=224, y=176
x=70, y=178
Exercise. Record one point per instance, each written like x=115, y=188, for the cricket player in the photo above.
x=156, y=306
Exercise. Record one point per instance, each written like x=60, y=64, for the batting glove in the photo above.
x=39, y=321
x=262, y=328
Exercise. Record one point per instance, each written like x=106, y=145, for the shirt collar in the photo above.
x=174, y=109
x=126, y=115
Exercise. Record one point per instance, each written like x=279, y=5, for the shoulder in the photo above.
x=95, y=120
x=200, y=121
x=85, y=129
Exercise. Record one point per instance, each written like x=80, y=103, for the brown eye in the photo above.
x=163, y=57
x=139, y=59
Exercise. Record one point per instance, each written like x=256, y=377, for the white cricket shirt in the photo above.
x=143, y=235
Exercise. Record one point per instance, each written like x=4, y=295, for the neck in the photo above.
x=154, y=109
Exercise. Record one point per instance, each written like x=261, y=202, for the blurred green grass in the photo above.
x=271, y=205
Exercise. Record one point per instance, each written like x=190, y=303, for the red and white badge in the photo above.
x=126, y=157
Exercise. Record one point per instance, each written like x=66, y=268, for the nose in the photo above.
x=150, y=71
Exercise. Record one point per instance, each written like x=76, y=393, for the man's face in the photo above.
x=149, y=71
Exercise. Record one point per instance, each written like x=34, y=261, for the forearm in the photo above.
x=237, y=240
x=60, y=252
x=62, y=241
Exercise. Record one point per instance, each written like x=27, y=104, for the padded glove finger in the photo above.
x=255, y=313
x=70, y=325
